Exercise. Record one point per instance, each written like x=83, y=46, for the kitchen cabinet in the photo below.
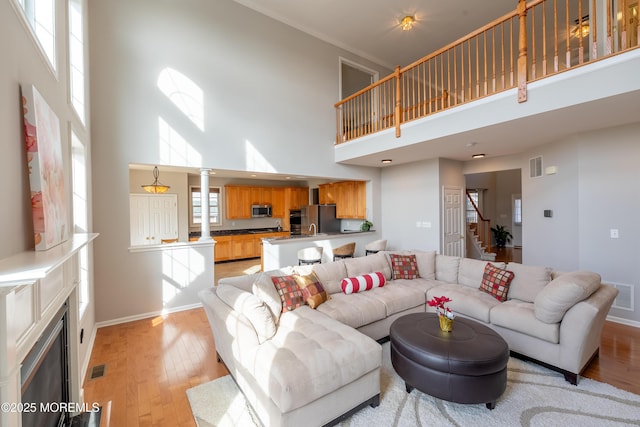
x=327, y=194
x=260, y=195
x=299, y=197
x=238, y=202
x=153, y=218
x=350, y=198
x=241, y=246
x=277, y=202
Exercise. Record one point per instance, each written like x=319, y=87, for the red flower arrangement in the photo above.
x=441, y=308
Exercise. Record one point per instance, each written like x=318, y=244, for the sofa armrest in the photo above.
x=581, y=328
x=235, y=338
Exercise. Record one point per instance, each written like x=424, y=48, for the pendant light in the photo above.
x=156, y=187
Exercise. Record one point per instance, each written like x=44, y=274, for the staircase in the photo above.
x=475, y=247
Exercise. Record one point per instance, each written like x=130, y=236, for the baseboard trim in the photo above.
x=143, y=316
x=623, y=321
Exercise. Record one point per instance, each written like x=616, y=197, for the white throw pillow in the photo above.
x=264, y=289
x=562, y=293
x=251, y=307
x=447, y=268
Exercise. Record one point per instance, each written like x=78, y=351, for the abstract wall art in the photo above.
x=46, y=170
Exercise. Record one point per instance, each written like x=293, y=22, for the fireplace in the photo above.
x=45, y=376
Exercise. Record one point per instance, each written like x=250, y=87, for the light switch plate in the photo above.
x=614, y=233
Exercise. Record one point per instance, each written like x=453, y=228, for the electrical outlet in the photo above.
x=614, y=233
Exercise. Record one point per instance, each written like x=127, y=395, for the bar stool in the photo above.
x=344, y=251
x=312, y=255
x=375, y=247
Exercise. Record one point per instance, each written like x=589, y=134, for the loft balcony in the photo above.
x=549, y=69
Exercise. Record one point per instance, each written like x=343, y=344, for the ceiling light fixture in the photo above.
x=386, y=161
x=478, y=156
x=582, y=28
x=157, y=187
x=407, y=23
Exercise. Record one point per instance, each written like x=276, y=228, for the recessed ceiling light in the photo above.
x=386, y=161
x=478, y=156
x=253, y=175
x=288, y=177
x=471, y=144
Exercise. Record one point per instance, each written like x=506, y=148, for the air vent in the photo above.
x=624, y=300
x=97, y=372
x=535, y=167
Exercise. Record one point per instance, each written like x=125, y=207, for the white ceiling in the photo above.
x=370, y=28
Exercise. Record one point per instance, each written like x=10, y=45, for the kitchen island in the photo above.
x=282, y=252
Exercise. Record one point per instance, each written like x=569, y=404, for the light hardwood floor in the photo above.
x=151, y=363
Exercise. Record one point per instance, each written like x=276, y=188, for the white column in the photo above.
x=205, y=226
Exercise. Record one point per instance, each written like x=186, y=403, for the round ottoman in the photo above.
x=466, y=365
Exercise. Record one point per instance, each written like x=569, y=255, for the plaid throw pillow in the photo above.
x=496, y=281
x=289, y=291
x=312, y=290
x=404, y=266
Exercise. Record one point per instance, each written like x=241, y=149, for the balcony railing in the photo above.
x=538, y=39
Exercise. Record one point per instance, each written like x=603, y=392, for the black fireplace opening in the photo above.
x=45, y=377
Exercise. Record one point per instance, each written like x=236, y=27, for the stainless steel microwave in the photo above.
x=260, y=211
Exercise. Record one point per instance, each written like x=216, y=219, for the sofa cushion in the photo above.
x=264, y=289
x=426, y=263
x=312, y=290
x=397, y=297
x=464, y=300
x=310, y=356
x=330, y=274
x=354, y=310
x=404, y=266
x=471, y=271
x=528, y=281
x=496, y=281
x=252, y=307
x=289, y=291
x=366, y=264
x=520, y=316
x=447, y=268
x=562, y=293
x=363, y=283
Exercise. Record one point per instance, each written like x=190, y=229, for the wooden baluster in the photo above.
x=463, y=87
x=511, y=51
x=502, y=69
x=455, y=76
x=533, y=44
x=623, y=35
x=398, y=109
x=522, y=52
x=446, y=103
x=593, y=21
x=469, y=68
x=579, y=32
x=568, y=36
x=493, y=56
x=555, y=36
x=609, y=46
x=441, y=76
x=544, y=39
x=477, y=68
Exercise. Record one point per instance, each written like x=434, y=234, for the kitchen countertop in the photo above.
x=319, y=236
x=237, y=232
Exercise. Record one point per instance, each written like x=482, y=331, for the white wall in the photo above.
x=410, y=193
x=593, y=191
x=267, y=96
x=23, y=64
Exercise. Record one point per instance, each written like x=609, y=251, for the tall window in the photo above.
x=41, y=17
x=517, y=211
x=196, y=206
x=76, y=57
x=80, y=215
x=472, y=215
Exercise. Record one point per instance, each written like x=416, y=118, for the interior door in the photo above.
x=452, y=222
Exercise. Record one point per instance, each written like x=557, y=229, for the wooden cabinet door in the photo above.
x=238, y=202
x=361, y=200
x=301, y=197
x=277, y=203
x=222, y=248
x=260, y=195
x=350, y=199
x=327, y=194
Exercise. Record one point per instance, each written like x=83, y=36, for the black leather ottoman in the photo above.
x=467, y=365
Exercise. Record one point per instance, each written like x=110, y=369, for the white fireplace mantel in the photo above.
x=34, y=285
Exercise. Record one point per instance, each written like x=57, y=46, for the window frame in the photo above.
x=25, y=11
x=212, y=189
x=80, y=195
x=77, y=68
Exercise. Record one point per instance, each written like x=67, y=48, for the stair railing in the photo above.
x=483, y=226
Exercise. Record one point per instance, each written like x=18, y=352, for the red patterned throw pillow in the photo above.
x=352, y=285
x=496, y=281
x=404, y=266
x=289, y=291
x=312, y=290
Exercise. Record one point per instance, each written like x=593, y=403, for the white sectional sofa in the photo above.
x=315, y=366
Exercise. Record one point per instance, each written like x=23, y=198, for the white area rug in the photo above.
x=535, y=396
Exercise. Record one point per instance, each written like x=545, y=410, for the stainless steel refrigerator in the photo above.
x=323, y=216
